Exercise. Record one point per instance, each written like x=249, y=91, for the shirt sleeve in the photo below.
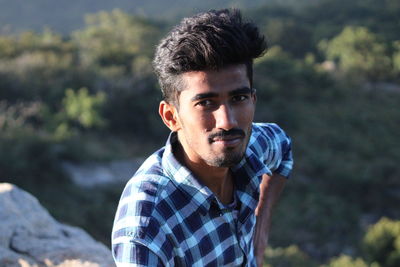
x=134, y=254
x=286, y=165
x=135, y=232
x=284, y=151
x=273, y=147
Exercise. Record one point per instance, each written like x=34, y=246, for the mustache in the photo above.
x=231, y=132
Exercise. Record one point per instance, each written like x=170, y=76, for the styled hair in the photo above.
x=206, y=41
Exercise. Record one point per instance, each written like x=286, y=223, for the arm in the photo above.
x=132, y=241
x=270, y=190
x=132, y=254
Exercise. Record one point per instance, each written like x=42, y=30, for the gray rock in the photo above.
x=30, y=237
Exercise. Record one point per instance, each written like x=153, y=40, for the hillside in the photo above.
x=65, y=16
x=331, y=79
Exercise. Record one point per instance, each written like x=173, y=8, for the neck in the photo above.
x=218, y=179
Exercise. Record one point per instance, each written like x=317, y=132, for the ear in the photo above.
x=254, y=96
x=169, y=115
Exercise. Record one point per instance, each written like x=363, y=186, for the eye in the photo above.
x=205, y=103
x=240, y=98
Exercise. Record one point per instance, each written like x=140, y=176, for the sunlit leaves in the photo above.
x=115, y=38
x=358, y=51
x=382, y=243
x=84, y=108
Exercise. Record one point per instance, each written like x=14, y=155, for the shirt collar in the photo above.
x=247, y=175
x=182, y=177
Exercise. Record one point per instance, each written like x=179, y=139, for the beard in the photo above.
x=228, y=159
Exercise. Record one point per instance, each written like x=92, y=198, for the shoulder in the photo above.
x=143, y=190
x=137, y=220
x=270, y=131
x=272, y=145
x=267, y=136
x=141, y=194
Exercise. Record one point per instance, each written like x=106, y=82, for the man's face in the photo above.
x=215, y=114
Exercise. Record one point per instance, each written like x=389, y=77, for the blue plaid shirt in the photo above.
x=168, y=218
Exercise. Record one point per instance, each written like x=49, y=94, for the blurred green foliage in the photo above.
x=84, y=108
x=330, y=79
x=382, y=243
x=115, y=39
x=347, y=261
x=291, y=256
x=380, y=246
x=358, y=51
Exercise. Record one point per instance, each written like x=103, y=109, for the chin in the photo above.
x=226, y=161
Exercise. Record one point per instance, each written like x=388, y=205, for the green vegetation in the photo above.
x=291, y=256
x=382, y=243
x=331, y=80
x=358, y=51
x=379, y=248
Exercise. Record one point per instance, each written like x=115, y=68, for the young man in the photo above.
x=205, y=199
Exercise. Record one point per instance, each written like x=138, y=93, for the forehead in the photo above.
x=217, y=81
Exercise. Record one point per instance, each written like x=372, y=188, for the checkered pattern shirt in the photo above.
x=168, y=218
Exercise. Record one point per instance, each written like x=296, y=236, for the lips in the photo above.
x=227, y=141
x=227, y=138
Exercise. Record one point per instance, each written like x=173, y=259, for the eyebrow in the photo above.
x=203, y=96
x=240, y=91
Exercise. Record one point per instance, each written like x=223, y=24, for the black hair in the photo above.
x=207, y=41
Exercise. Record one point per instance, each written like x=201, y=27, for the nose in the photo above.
x=225, y=118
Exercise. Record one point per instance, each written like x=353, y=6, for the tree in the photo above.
x=382, y=243
x=347, y=261
x=115, y=38
x=291, y=256
x=358, y=51
x=84, y=108
x=396, y=57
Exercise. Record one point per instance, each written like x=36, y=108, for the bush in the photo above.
x=359, y=51
x=84, y=108
x=291, y=256
x=347, y=261
x=382, y=243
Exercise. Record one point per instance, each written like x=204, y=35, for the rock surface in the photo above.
x=30, y=237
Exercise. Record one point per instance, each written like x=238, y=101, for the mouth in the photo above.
x=228, y=138
x=227, y=141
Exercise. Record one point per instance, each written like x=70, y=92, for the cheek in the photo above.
x=246, y=114
x=206, y=122
x=196, y=125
